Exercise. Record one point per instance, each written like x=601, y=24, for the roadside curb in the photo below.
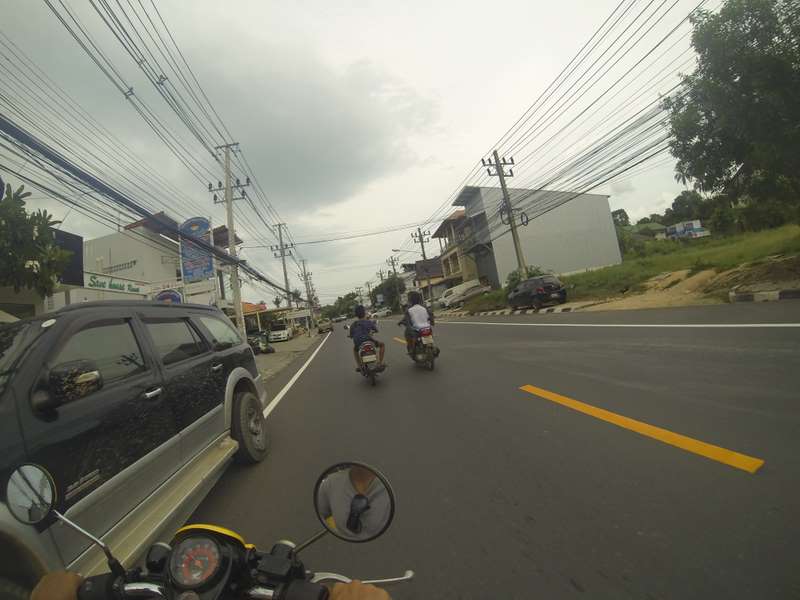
x=770, y=296
x=508, y=311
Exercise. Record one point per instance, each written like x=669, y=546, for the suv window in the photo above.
x=11, y=347
x=532, y=283
x=174, y=340
x=112, y=347
x=223, y=332
x=551, y=280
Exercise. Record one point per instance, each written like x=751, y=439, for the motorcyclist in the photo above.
x=63, y=585
x=361, y=331
x=416, y=317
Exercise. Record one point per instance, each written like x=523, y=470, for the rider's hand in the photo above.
x=355, y=590
x=59, y=585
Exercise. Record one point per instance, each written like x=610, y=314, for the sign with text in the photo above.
x=196, y=262
x=100, y=281
x=169, y=296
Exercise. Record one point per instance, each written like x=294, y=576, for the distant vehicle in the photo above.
x=122, y=403
x=337, y=319
x=280, y=332
x=324, y=326
x=459, y=294
x=259, y=342
x=538, y=291
x=382, y=312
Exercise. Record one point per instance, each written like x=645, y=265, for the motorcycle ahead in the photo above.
x=425, y=350
x=369, y=361
x=207, y=562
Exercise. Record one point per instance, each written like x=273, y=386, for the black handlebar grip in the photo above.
x=299, y=589
x=99, y=587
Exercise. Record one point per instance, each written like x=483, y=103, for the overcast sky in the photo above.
x=355, y=115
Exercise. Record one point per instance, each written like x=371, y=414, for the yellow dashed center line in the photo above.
x=723, y=455
x=401, y=340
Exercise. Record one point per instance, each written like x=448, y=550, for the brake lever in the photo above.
x=320, y=577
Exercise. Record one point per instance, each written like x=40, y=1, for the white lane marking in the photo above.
x=271, y=406
x=658, y=325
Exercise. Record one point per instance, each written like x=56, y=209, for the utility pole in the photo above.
x=501, y=174
x=392, y=262
x=358, y=294
x=228, y=200
x=369, y=292
x=307, y=280
x=420, y=238
x=282, y=251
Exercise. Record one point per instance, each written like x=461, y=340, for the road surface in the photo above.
x=641, y=461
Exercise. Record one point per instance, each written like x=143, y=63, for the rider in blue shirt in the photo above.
x=361, y=331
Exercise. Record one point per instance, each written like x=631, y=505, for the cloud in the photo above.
x=316, y=134
x=620, y=188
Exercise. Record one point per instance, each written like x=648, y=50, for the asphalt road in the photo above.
x=506, y=494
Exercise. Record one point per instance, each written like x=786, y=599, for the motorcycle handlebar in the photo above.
x=99, y=587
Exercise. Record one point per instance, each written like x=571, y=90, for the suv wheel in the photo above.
x=249, y=428
x=11, y=591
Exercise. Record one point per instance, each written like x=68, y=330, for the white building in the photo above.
x=564, y=233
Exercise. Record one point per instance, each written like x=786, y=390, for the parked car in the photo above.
x=382, y=312
x=259, y=342
x=324, y=326
x=280, y=332
x=462, y=292
x=135, y=409
x=538, y=291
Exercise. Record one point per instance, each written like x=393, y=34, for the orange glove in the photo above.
x=58, y=585
x=355, y=590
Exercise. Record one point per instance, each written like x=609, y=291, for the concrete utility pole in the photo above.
x=369, y=292
x=358, y=294
x=420, y=238
x=392, y=262
x=282, y=251
x=307, y=280
x=228, y=200
x=501, y=174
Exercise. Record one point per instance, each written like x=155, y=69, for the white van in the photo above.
x=280, y=332
x=462, y=292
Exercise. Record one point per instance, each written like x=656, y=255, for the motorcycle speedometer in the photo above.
x=194, y=562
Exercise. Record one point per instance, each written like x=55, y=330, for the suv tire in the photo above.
x=11, y=591
x=249, y=428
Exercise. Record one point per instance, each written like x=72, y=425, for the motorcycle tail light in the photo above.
x=425, y=332
x=540, y=290
x=368, y=348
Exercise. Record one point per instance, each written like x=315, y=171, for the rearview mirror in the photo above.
x=354, y=502
x=30, y=494
x=72, y=380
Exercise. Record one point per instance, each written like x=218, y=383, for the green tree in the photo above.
x=277, y=301
x=390, y=288
x=686, y=206
x=30, y=257
x=620, y=218
x=739, y=116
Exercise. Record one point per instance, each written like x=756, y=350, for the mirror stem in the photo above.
x=317, y=536
x=113, y=564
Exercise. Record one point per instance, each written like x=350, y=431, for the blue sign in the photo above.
x=196, y=262
x=168, y=296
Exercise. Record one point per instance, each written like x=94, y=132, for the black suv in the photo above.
x=537, y=291
x=134, y=409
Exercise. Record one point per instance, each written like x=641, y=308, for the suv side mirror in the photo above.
x=68, y=382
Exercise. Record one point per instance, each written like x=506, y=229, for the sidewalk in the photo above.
x=269, y=365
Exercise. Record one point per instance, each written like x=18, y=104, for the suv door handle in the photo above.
x=216, y=368
x=153, y=393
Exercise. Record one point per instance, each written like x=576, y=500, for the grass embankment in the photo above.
x=698, y=255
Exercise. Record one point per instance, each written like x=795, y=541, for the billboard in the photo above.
x=196, y=262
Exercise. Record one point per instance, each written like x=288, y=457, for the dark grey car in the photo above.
x=134, y=409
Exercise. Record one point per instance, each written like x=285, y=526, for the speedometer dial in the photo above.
x=194, y=562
